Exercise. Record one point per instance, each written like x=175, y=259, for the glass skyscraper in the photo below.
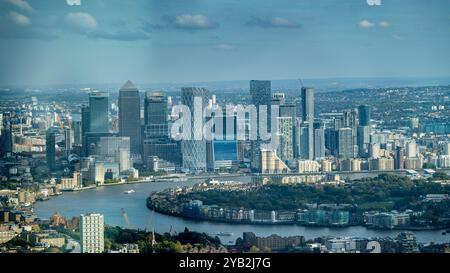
x=308, y=116
x=98, y=112
x=194, y=151
x=261, y=94
x=129, y=116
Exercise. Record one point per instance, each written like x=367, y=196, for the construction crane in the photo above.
x=301, y=82
x=125, y=218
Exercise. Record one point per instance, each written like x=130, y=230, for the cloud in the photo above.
x=121, y=35
x=366, y=24
x=191, y=22
x=383, y=24
x=80, y=21
x=21, y=4
x=225, y=47
x=19, y=19
x=369, y=24
x=275, y=22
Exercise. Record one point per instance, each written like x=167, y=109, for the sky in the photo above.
x=45, y=42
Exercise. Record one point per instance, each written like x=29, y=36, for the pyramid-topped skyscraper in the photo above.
x=129, y=116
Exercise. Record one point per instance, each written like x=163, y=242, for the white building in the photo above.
x=308, y=166
x=92, y=233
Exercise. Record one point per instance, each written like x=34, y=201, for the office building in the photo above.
x=67, y=141
x=129, y=116
x=156, y=130
x=319, y=140
x=194, y=150
x=92, y=233
x=364, y=112
x=399, y=158
x=271, y=163
x=345, y=143
x=98, y=112
x=308, y=116
x=261, y=95
x=50, y=143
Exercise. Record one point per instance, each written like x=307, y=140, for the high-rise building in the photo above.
x=77, y=132
x=290, y=110
x=129, y=116
x=364, y=112
x=319, y=140
x=261, y=94
x=447, y=148
x=399, y=158
x=363, y=140
x=92, y=233
x=308, y=116
x=67, y=141
x=194, y=150
x=411, y=149
x=50, y=142
x=156, y=130
x=98, y=112
x=285, y=146
x=303, y=140
x=6, y=137
x=345, y=143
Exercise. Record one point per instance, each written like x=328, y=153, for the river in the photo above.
x=110, y=200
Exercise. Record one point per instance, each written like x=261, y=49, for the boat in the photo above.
x=129, y=191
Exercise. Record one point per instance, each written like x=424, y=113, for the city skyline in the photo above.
x=200, y=41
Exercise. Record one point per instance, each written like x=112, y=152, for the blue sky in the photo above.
x=151, y=41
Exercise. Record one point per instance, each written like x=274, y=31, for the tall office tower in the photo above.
x=85, y=120
x=285, y=148
x=129, y=115
x=308, y=116
x=67, y=141
x=399, y=158
x=92, y=233
x=363, y=140
x=6, y=138
x=350, y=120
x=77, y=132
x=319, y=140
x=345, y=143
x=303, y=140
x=156, y=130
x=261, y=94
x=364, y=113
x=98, y=112
x=1, y=124
x=50, y=142
x=194, y=150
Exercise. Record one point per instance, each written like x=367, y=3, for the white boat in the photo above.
x=129, y=191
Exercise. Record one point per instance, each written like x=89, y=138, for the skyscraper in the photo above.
x=308, y=116
x=261, y=94
x=67, y=141
x=194, y=150
x=285, y=146
x=98, y=112
x=6, y=137
x=156, y=130
x=77, y=132
x=129, y=115
x=364, y=115
x=50, y=142
x=319, y=140
x=92, y=233
x=399, y=162
x=345, y=143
